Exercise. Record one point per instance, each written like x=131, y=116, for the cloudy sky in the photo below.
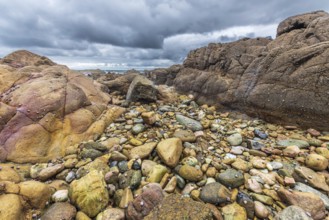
x=123, y=34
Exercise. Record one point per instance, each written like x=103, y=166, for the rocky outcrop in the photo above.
x=283, y=80
x=23, y=58
x=141, y=89
x=45, y=108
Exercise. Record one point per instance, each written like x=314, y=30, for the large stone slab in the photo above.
x=46, y=107
x=282, y=80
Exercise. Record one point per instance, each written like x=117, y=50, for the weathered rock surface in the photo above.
x=37, y=194
x=89, y=193
x=59, y=211
x=11, y=207
x=141, y=89
x=292, y=212
x=46, y=107
x=308, y=201
x=177, y=207
x=283, y=80
x=143, y=204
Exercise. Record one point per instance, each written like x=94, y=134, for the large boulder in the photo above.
x=283, y=80
x=89, y=193
x=142, y=89
x=46, y=107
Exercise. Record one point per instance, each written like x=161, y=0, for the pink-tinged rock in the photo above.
x=309, y=202
x=47, y=107
x=289, y=181
x=143, y=204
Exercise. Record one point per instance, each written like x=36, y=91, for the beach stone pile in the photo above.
x=177, y=160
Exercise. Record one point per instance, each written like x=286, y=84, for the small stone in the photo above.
x=123, y=166
x=138, y=128
x=60, y=210
x=288, y=181
x=237, y=150
x=117, y=156
x=258, y=163
x=215, y=193
x=127, y=197
x=185, y=135
x=235, y=139
x=70, y=177
x=82, y=216
x=316, y=162
x=242, y=165
x=189, y=123
x=190, y=173
x=135, y=142
x=149, y=117
x=231, y=178
x=260, y=134
x=136, y=165
x=147, y=166
x=294, y=142
x=142, y=205
x=255, y=145
x=170, y=150
x=171, y=185
x=192, y=161
x=293, y=212
x=253, y=185
x=245, y=201
x=323, y=151
x=291, y=151
x=234, y=211
x=276, y=165
x=60, y=196
x=49, y=172
x=142, y=151
x=211, y=172
x=111, y=214
x=313, y=132
x=324, y=138
x=90, y=153
x=156, y=174
x=261, y=211
x=262, y=198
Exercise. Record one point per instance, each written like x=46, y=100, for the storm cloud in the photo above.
x=132, y=33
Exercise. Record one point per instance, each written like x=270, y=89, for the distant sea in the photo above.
x=121, y=71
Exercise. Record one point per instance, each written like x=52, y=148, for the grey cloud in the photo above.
x=140, y=30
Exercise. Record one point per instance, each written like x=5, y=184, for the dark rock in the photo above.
x=256, y=75
x=245, y=201
x=231, y=178
x=131, y=178
x=260, y=134
x=141, y=89
x=215, y=193
x=123, y=166
x=255, y=145
x=120, y=83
